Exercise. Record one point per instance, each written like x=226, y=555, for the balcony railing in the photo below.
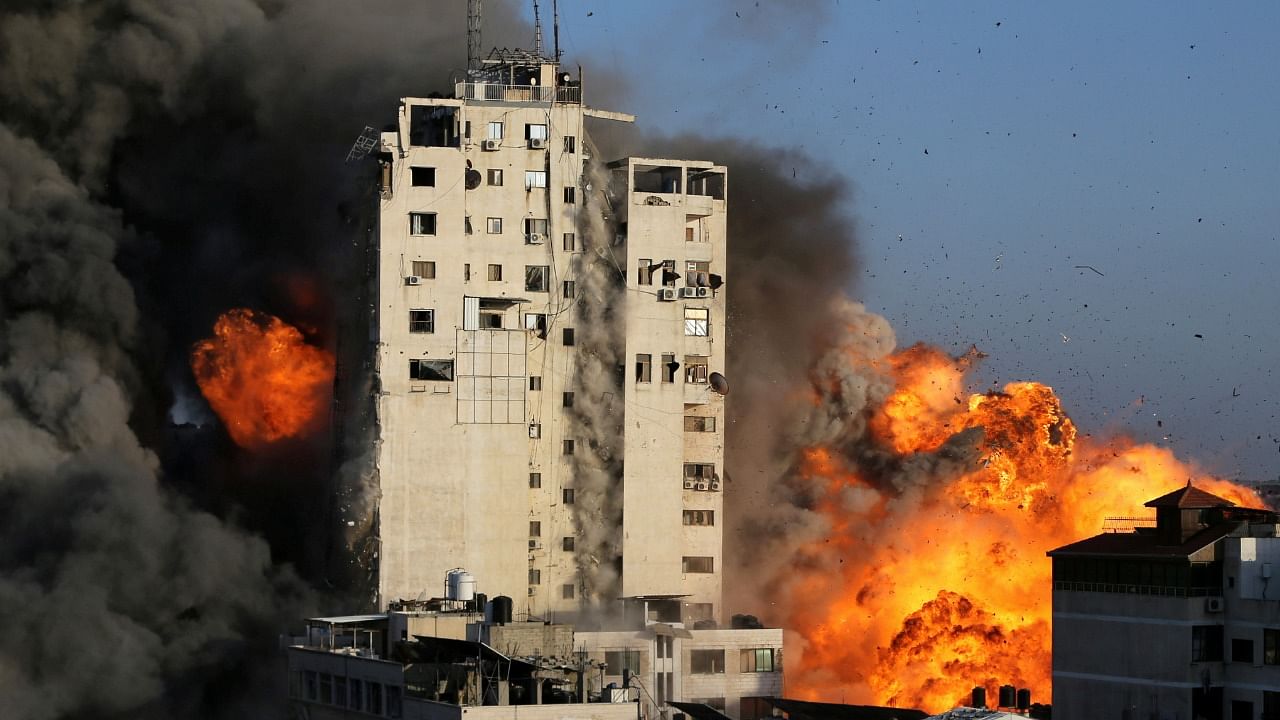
x=518, y=93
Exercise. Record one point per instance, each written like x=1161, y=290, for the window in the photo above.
x=495, y=272
x=567, y=335
x=566, y=544
x=618, y=660
x=669, y=275
x=468, y=225
x=466, y=130
x=697, y=274
x=693, y=612
x=1241, y=650
x=568, y=400
x=568, y=447
x=1270, y=646
x=422, y=223
x=644, y=367
x=535, y=179
x=1206, y=643
x=535, y=132
x=700, y=472
x=490, y=319
x=700, y=517
x=422, y=321
x=309, y=684
x=757, y=660
x=535, y=226
x=535, y=382
x=425, y=269
x=706, y=662
x=439, y=370
x=669, y=367
x=493, y=226
x=495, y=131
x=569, y=195
x=570, y=144
x=535, y=528
x=1270, y=705
x=495, y=177
x=536, y=323
x=1241, y=710
x=535, y=431
x=422, y=176
x=688, y=234
x=535, y=278
x=754, y=708
x=535, y=577
x=375, y=698
x=340, y=691
x=535, y=480
x=394, y=708
x=466, y=272
x=566, y=592
x=357, y=694
x=295, y=684
x=570, y=242
x=568, y=289
x=697, y=321
x=566, y=496
x=644, y=274
x=695, y=368
x=698, y=423
x=698, y=564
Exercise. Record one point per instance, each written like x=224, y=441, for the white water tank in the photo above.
x=459, y=585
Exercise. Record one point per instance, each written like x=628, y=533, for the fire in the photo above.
x=262, y=378
x=932, y=578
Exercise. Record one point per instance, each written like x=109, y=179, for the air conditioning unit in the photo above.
x=688, y=292
x=688, y=484
x=700, y=486
x=534, y=239
x=715, y=485
x=533, y=590
x=537, y=143
x=666, y=294
x=703, y=292
x=1213, y=604
x=412, y=280
x=535, y=544
x=490, y=145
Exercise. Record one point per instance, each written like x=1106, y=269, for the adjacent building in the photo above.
x=1173, y=619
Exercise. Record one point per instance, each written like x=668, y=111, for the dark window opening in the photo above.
x=422, y=176
x=431, y=126
x=435, y=370
x=706, y=662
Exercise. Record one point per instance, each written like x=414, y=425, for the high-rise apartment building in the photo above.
x=550, y=333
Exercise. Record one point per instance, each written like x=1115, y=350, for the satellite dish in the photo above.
x=473, y=179
x=719, y=383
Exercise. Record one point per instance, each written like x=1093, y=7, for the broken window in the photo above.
x=657, y=179
x=535, y=131
x=568, y=288
x=695, y=368
x=535, y=278
x=567, y=335
x=431, y=126
x=568, y=399
x=700, y=472
x=644, y=367
x=703, y=564
x=1206, y=643
x=425, y=269
x=644, y=274
x=707, y=182
x=570, y=144
x=618, y=660
x=536, y=323
x=422, y=321
x=468, y=225
x=535, y=230
x=698, y=423
x=422, y=223
x=494, y=131
x=422, y=176
x=435, y=370
x=566, y=544
x=566, y=496
x=669, y=367
x=569, y=195
x=495, y=177
x=535, y=432
x=697, y=321
x=535, y=480
x=568, y=447
x=495, y=272
x=535, y=382
x=535, y=179
x=697, y=273
x=493, y=226
x=699, y=517
x=570, y=242
x=669, y=274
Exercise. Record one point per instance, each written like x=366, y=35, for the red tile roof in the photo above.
x=1189, y=498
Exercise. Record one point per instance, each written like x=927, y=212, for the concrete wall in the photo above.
x=427, y=710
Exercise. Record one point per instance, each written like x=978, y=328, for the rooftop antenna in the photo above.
x=555, y=26
x=474, y=13
x=537, y=30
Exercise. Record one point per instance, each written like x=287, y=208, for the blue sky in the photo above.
x=1142, y=139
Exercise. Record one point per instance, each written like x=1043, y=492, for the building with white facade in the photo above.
x=1172, y=621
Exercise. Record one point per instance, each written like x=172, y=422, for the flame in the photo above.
x=262, y=378
x=935, y=582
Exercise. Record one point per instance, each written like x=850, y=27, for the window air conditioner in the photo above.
x=715, y=485
x=534, y=239
x=1213, y=604
x=703, y=292
x=537, y=143
x=667, y=294
x=688, y=484
x=700, y=486
x=688, y=292
x=535, y=544
x=490, y=145
x=412, y=280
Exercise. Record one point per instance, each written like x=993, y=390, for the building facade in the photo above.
x=549, y=337
x=1172, y=621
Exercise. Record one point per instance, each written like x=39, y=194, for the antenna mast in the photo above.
x=555, y=25
x=474, y=14
x=537, y=30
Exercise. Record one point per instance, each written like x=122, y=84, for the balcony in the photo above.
x=493, y=92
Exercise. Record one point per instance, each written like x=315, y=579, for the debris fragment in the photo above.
x=1089, y=267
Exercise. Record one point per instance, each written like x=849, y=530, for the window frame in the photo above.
x=695, y=326
x=424, y=325
x=706, y=661
x=535, y=179
x=494, y=177
x=415, y=224
x=428, y=173
x=494, y=272
x=644, y=368
x=425, y=269
x=532, y=273
x=496, y=130
x=493, y=226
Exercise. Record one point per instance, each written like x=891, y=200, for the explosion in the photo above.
x=930, y=577
x=262, y=378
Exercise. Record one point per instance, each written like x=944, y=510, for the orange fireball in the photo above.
x=262, y=378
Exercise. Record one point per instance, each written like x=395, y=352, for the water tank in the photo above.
x=1024, y=698
x=979, y=697
x=459, y=585
x=1008, y=696
x=502, y=610
x=479, y=603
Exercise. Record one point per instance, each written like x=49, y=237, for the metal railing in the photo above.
x=1135, y=589
x=518, y=93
